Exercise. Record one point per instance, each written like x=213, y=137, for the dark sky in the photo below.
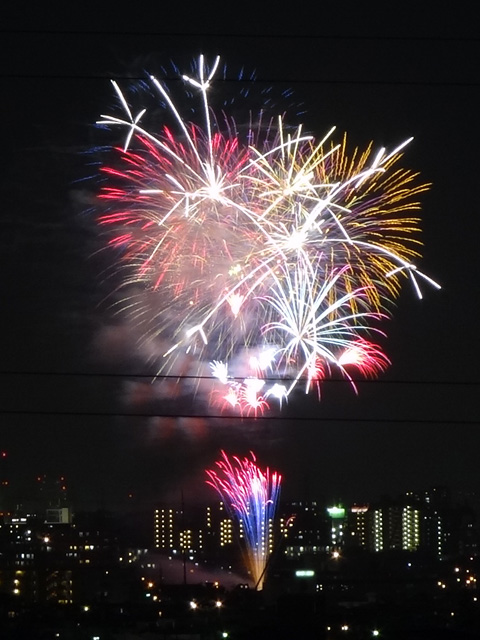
x=383, y=74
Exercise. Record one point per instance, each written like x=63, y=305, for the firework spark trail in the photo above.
x=251, y=497
x=268, y=242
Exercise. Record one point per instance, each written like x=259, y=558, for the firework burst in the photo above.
x=272, y=255
x=251, y=497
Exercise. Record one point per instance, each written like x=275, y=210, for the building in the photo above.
x=410, y=528
x=393, y=526
x=165, y=520
x=177, y=532
x=337, y=515
x=357, y=527
x=303, y=529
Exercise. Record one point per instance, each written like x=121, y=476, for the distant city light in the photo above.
x=304, y=573
x=336, y=512
x=359, y=509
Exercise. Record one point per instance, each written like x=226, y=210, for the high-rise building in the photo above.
x=357, y=526
x=433, y=532
x=219, y=531
x=165, y=521
x=226, y=536
x=52, y=491
x=376, y=531
x=303, y=529
x=337, y=516
x=394, y=526
x=410, y=528
x=175, y=533
x=5, y=499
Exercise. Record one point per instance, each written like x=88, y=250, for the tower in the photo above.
x=5, y=499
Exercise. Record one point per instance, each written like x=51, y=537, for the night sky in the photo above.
x=381, y=75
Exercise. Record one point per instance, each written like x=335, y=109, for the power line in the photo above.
x=241, y=418
x=255, y=81
x=163, y=376
x=245, y=35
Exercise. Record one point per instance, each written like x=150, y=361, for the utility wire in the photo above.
x=270, y=36
x=161, y=376
x=209, y=416
x=254, y=81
